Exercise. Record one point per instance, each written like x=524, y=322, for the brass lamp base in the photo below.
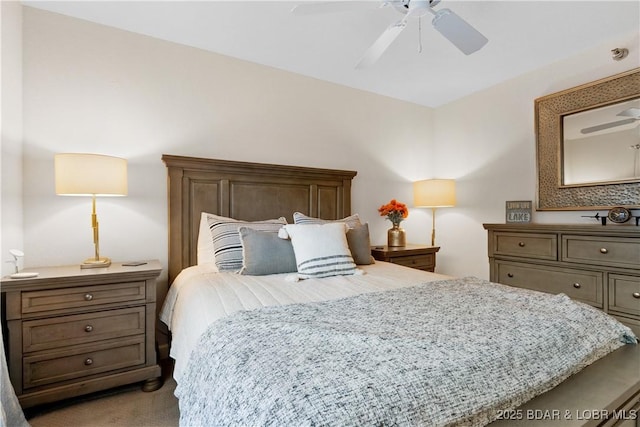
x=96, y=263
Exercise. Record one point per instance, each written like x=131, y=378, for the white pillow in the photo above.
x=205, y=253
x=321, y=250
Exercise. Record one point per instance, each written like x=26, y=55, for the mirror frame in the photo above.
x=549, y=111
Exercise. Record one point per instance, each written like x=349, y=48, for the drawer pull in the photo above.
x=510, y=275
x=636, y=295
x=577, y=285
x=88, y=328
x=88, y=297
x=604, y=251
x=521, y=244
x=88, y=361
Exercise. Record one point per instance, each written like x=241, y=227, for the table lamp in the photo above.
x=79, y=174
x=434, y=193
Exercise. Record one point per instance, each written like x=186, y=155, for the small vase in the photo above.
x=396, y=236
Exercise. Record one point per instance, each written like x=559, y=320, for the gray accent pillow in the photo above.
x=263, y=252
x=360, y=244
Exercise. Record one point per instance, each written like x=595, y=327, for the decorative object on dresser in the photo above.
x=568, y=160
x=79, y=174
x=415, y=256
x=518, y=211
x=73, y=331
x=619, y=215
x=434, y=193
x=395, y=212
x=597, y=265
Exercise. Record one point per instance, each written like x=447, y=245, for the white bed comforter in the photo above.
x=199, y=296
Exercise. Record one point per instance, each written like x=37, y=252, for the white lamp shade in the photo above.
x=434, y=193
x=79, y=174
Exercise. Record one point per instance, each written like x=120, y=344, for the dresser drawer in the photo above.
x=83, y=361
x=585, y=286
x=530, y=245
x=63, y=331
x=421, y=262
x=82, y=297
x=624, y=294
x=608, y=251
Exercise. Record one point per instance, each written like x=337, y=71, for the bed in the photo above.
x=355, y=349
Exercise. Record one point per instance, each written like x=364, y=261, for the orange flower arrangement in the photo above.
x=394, y=211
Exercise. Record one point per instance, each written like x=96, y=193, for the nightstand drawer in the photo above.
x=582, y=285
x=624, y=294
x=609, y=251
x=82, y=361
x=421, y=262
x=82, y=297
x=64, y=331
x=530, y=245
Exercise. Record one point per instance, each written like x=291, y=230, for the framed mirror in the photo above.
x=588, y=145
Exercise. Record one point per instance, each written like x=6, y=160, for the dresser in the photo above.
x=72, y=331
x=598, y=265
x=415, y=256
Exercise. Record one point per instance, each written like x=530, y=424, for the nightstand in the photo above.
x=73, y=331
x=415, y=256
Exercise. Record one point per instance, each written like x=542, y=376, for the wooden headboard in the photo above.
x=246, y=191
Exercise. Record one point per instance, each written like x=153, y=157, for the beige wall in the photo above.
x=11, y=226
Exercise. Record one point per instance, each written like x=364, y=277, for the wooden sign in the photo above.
x=518, y=211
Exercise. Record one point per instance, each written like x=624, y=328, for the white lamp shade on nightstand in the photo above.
x=434, y=193
x=79, y=174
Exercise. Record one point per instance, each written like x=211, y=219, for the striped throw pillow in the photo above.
x=227, y=246
x=321, y=250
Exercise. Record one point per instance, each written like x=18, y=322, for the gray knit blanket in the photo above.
x=444, y=353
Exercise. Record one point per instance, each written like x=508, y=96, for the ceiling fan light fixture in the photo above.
x=451, y=26
x=420, y=8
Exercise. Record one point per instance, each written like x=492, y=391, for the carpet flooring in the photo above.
x=126, y=406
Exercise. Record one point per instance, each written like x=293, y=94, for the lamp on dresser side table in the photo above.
x=73, y=331
x=421, y=257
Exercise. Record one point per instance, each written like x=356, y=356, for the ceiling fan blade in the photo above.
x=458, y=31
x=328, y=7
x=630, y=112
x=376, y=50
x=607, y=126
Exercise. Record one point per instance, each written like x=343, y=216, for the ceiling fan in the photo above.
x=633, y=114
x=446, y=22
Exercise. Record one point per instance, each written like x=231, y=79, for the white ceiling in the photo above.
x=523, y=36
